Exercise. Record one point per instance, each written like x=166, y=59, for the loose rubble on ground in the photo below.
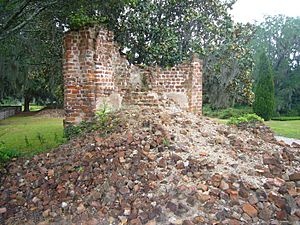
x=159, y=166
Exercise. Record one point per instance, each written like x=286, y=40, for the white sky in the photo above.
x=254, y=10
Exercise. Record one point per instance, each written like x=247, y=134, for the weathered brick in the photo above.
x=94, y=69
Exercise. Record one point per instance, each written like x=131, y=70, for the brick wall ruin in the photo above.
x=95, y=74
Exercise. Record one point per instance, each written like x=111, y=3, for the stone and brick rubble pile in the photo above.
x=160, y=166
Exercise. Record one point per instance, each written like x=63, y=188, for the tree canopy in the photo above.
x=167, y=32
x=16, y=14
x=151, y=32
x=30, y=59
x=279, y=36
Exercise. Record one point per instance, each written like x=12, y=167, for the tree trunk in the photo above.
x=26, y=103
x=218, y=97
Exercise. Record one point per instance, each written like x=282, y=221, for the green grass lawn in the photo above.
x=30, y=134
x=34, y=108
x=290, y=129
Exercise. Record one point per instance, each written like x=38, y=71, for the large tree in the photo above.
x=31, y=43
x=30, y=63
x=228, y=68
x=279, y=37
x=168, y=32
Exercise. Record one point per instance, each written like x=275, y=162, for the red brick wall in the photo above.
x=95, y=72
x=174, y=79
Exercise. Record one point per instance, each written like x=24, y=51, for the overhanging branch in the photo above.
x=16, y=14
x=6, y=28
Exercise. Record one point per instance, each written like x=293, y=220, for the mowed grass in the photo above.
x=290, y=129
x=29, y=135
x=34, y=108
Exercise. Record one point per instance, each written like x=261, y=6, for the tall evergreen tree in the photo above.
x=264, y=93
x=279, y=37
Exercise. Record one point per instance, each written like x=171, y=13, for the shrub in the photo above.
x=248, y=118
x=292, y=112
x=208, y=111
x=264, y=93
x=286, y=118
x=79, y=20
x=226, y=113
x=82, y=19
x=105, y=122
x=233, y=112
x=102, y=115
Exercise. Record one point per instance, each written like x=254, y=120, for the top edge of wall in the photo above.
x=87, y=28
x=193, y=58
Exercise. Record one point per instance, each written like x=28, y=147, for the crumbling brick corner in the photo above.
x=95, y=74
